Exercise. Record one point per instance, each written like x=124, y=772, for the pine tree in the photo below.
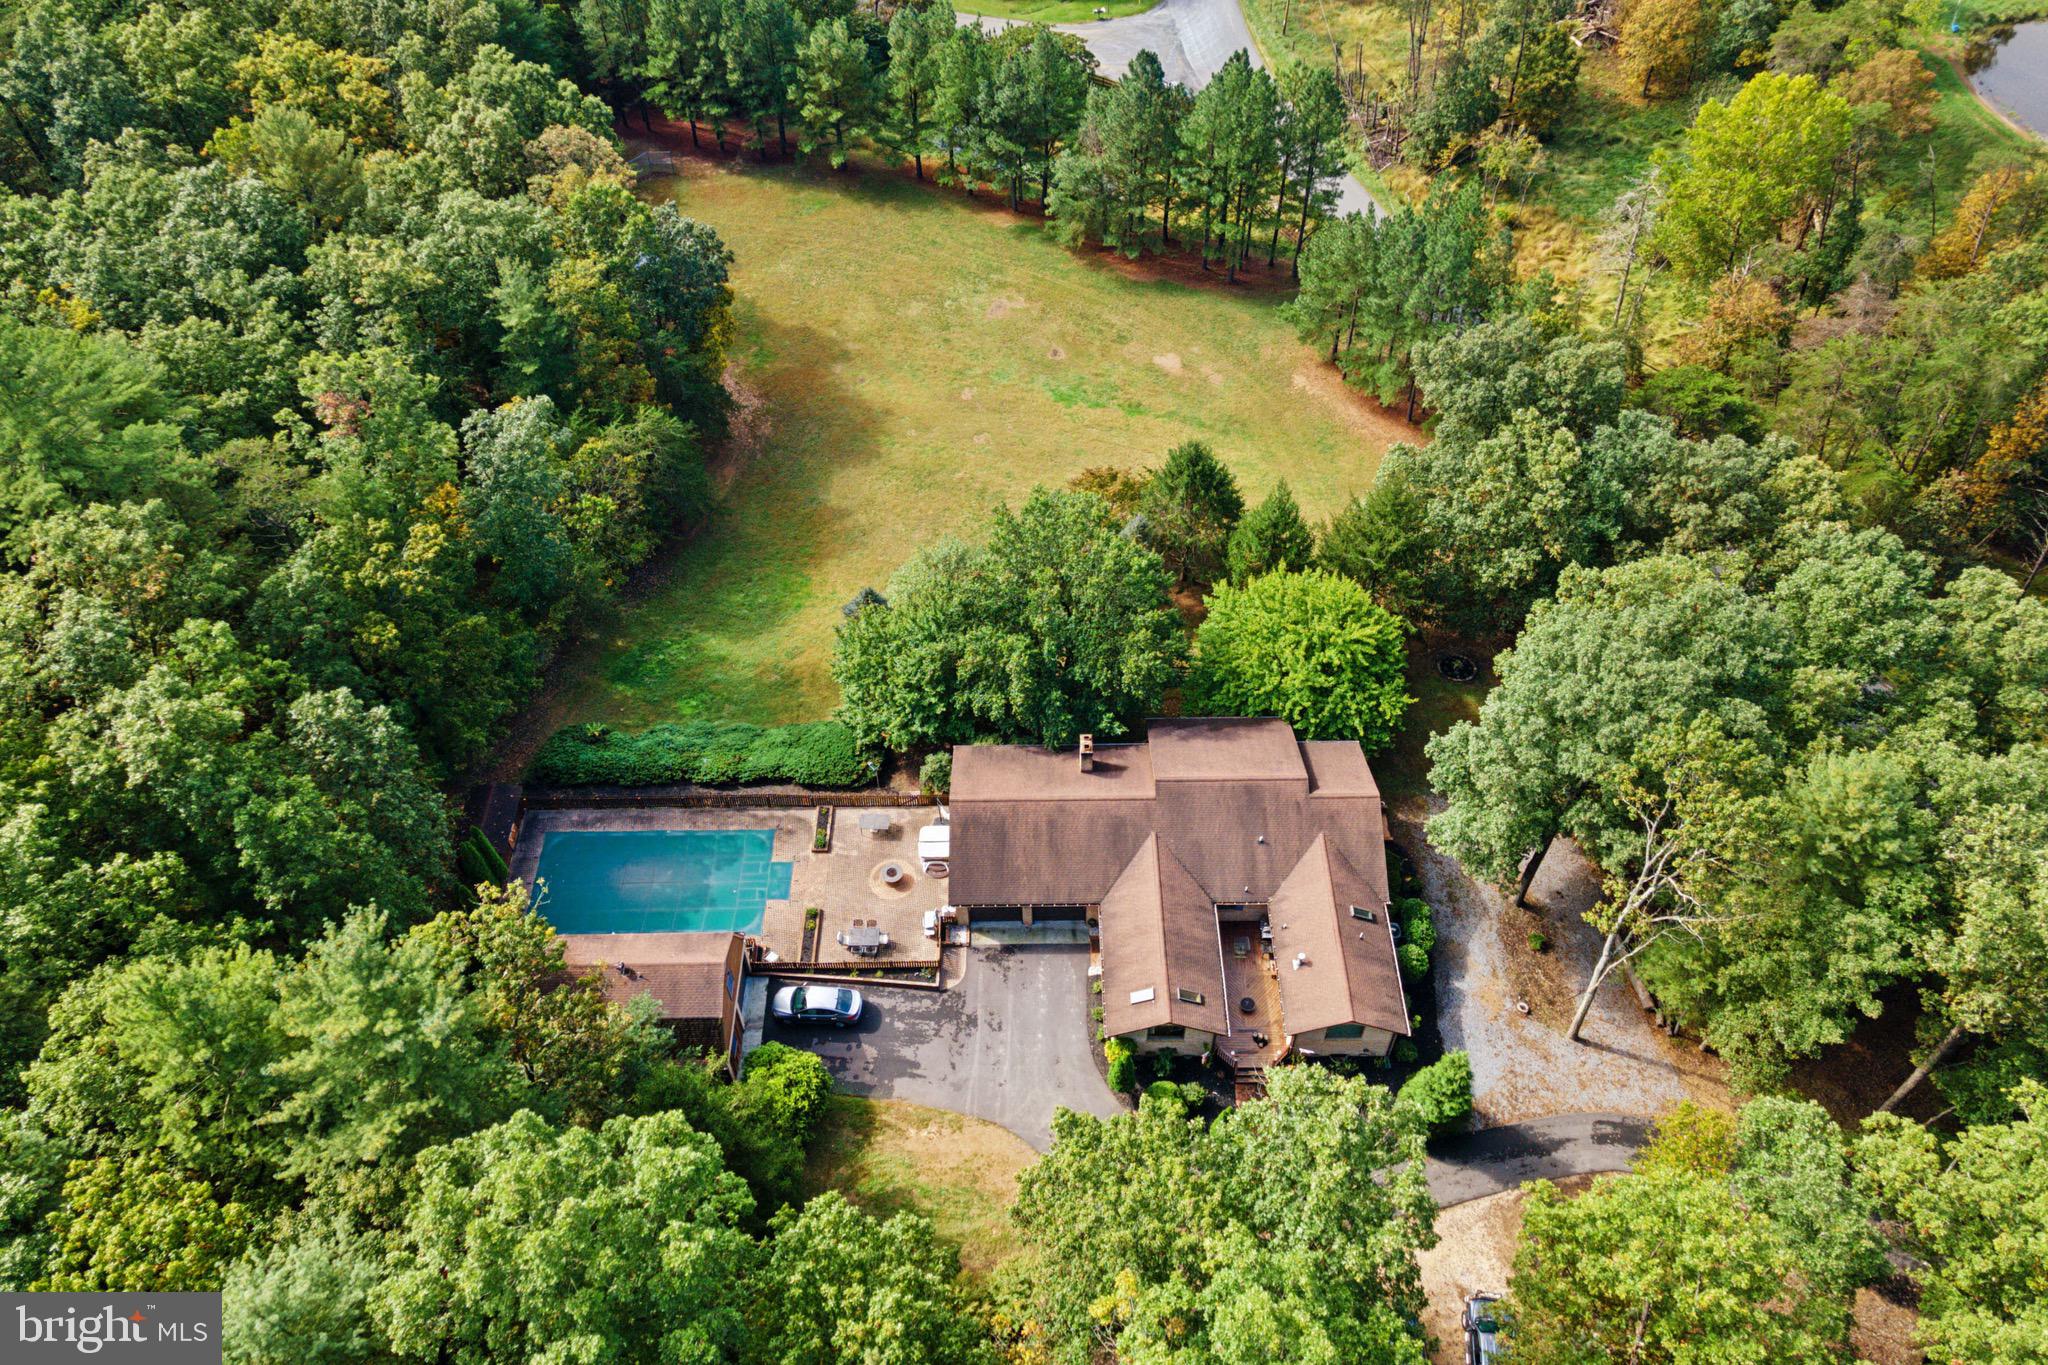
x=1271, y=536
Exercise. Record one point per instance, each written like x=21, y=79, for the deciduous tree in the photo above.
x=1308, y=647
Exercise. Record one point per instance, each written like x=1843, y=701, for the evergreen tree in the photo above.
x=834, y=91
x=1190, y=508
x=1271, y=536
x=917, y=36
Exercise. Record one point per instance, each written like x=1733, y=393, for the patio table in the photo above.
x=863, y=938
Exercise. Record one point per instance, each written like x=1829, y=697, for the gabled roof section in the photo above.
x=1225, y=749
x=1162, y=962
x=1336, y=967
x=1337, y=767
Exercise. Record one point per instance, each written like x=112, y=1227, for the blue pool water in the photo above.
x=659, y=880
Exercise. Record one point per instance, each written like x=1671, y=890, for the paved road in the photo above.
x=1192, y=39
x=1474, y=1165
x=1007, y=1043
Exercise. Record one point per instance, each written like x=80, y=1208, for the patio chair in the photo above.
x=884, y=943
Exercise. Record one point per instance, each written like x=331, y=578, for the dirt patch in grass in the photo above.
x=889, y=1156
x=1474, y=1252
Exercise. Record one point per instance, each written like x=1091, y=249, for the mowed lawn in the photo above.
x=911, y=358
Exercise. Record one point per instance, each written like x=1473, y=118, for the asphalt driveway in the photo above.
x=1008, y=1042
x=1469, y=1166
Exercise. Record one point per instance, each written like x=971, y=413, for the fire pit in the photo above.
x=1457, y=668
x=1248, y=1006
x=892, y=874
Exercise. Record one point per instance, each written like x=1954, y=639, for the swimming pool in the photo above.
x=659, y=880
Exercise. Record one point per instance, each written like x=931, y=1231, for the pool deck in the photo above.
x=844, y=884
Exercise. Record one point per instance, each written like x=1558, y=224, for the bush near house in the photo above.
x=935, y=775
x=1123, y=1066
x=818, y=754
x=1439, y=1096
x=1418, y=936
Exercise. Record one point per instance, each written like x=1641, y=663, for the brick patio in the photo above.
x=844, y=885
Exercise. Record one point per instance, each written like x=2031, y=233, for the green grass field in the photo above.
x=910, y=358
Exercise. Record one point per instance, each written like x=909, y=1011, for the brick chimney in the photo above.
x=1087, y=753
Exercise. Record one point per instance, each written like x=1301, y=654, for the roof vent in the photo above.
x=1262, y=838
x=1142, y=997
x=1087, y=753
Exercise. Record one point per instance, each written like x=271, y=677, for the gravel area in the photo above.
x=1523, y=1066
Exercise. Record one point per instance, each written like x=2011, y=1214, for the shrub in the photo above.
x=1537, y=942
x=785, y=1086
x=1418, y=925
x=935, y=776
x=1179, y=1097
x=1404, y=1051
x=1440, y=1095
x=1414, y=961
x=1123, y=1066
x=817, y=754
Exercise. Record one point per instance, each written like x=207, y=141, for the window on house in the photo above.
x=1344, y=1031
x=1166, y=1031
x=1360, y=912
x=1188, y=997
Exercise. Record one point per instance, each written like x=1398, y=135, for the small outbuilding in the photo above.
x=694, y=980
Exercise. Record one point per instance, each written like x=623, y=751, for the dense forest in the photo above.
x=343, y=378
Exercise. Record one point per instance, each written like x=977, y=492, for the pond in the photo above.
x=2016, y=78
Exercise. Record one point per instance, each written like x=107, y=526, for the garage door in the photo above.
x=1046, y=914
x=995, y=914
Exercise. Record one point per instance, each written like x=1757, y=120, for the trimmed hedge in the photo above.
x=477, y=862
x=817, y=754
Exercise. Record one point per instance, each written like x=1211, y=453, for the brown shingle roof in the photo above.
x=1225, y=749
x=1165, y=838
x=685, y=973
x=1025, y=772
x=1159, y=944
x=1335, y=968
x=1337, y=767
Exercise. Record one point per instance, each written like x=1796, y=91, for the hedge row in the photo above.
x=819, y=754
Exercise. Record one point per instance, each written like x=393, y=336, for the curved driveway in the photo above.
x=1474, y=1165
x=1192, y=39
